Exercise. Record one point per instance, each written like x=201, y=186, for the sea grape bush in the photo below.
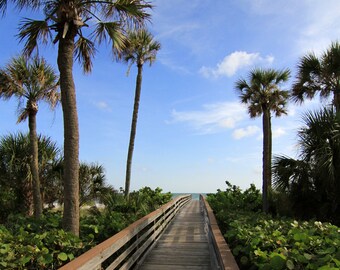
x=234, y=198
x=267, y=243
x=29, y=243
x=259, y=241
x=47, y=250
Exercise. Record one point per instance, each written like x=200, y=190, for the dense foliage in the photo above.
x=16, y=178
x=259, y=241
x=29, y=243
x=310, y=185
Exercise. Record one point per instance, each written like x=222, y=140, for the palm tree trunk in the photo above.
x=133, y=129
x=71, y=133
x=37, y=201
x=266, y=159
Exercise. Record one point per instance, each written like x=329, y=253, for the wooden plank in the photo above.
x=184, y=244
x=93, y=258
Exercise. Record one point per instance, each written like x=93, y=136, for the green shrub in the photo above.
x=260, y=242
x=233, y=198
x=48, y=250
x=267, y=243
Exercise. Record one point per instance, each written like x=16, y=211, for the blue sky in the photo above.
x=193, y=134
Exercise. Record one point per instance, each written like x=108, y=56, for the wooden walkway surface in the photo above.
x=184, y=244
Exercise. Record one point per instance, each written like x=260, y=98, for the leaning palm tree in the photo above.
x=319, y=75
x=263, y=95
x=31, y=81
x=67, y=19
x=141, y=48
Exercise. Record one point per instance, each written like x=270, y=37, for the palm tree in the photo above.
x=31, y=81
x=319, y=75
x=91, y=182
x=15, y=176
x=262, y=95
x=15, y=172
x=141, y=48
x=68, y=19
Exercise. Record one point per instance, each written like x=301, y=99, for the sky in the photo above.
x=193, y=133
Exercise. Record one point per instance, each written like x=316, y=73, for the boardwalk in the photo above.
x=184, y=244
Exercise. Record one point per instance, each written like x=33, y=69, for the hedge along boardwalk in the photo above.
x=184, y=244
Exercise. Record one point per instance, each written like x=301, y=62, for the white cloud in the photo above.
x=213, y=117
x=234, y=62
x=278, y=132
x=102, y=105
x=245, y=132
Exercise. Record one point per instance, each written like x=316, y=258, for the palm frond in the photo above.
x=131, y=13
x=308, y=78
x=111, y=32
x=3, y=7
x=33, y=31
x=84, y=52
x=22, y=115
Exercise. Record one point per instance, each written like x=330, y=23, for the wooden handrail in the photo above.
x=127, y=248
x=225, y=258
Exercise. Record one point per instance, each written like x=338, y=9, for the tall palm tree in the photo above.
x=263, y=95
x=319, y=75
x=67, y=19
x=141, y=48
x=31, y=81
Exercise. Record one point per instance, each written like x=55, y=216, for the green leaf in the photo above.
x=290, y=265
x=337, y=262
x=70, y=256
x=308, y=256
x=277, y=262
x=48, y=258
x=25, y=260
x=300, y=237
x=326, y=267
x=62, y=256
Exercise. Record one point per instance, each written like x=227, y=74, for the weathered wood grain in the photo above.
x=184, y=244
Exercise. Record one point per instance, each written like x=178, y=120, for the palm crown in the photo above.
x=70, y=17
x=32, y=81
x=262, y=92
x=319, y=75
x=140, y=48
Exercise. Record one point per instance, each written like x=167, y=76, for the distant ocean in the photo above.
x=195, y=196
